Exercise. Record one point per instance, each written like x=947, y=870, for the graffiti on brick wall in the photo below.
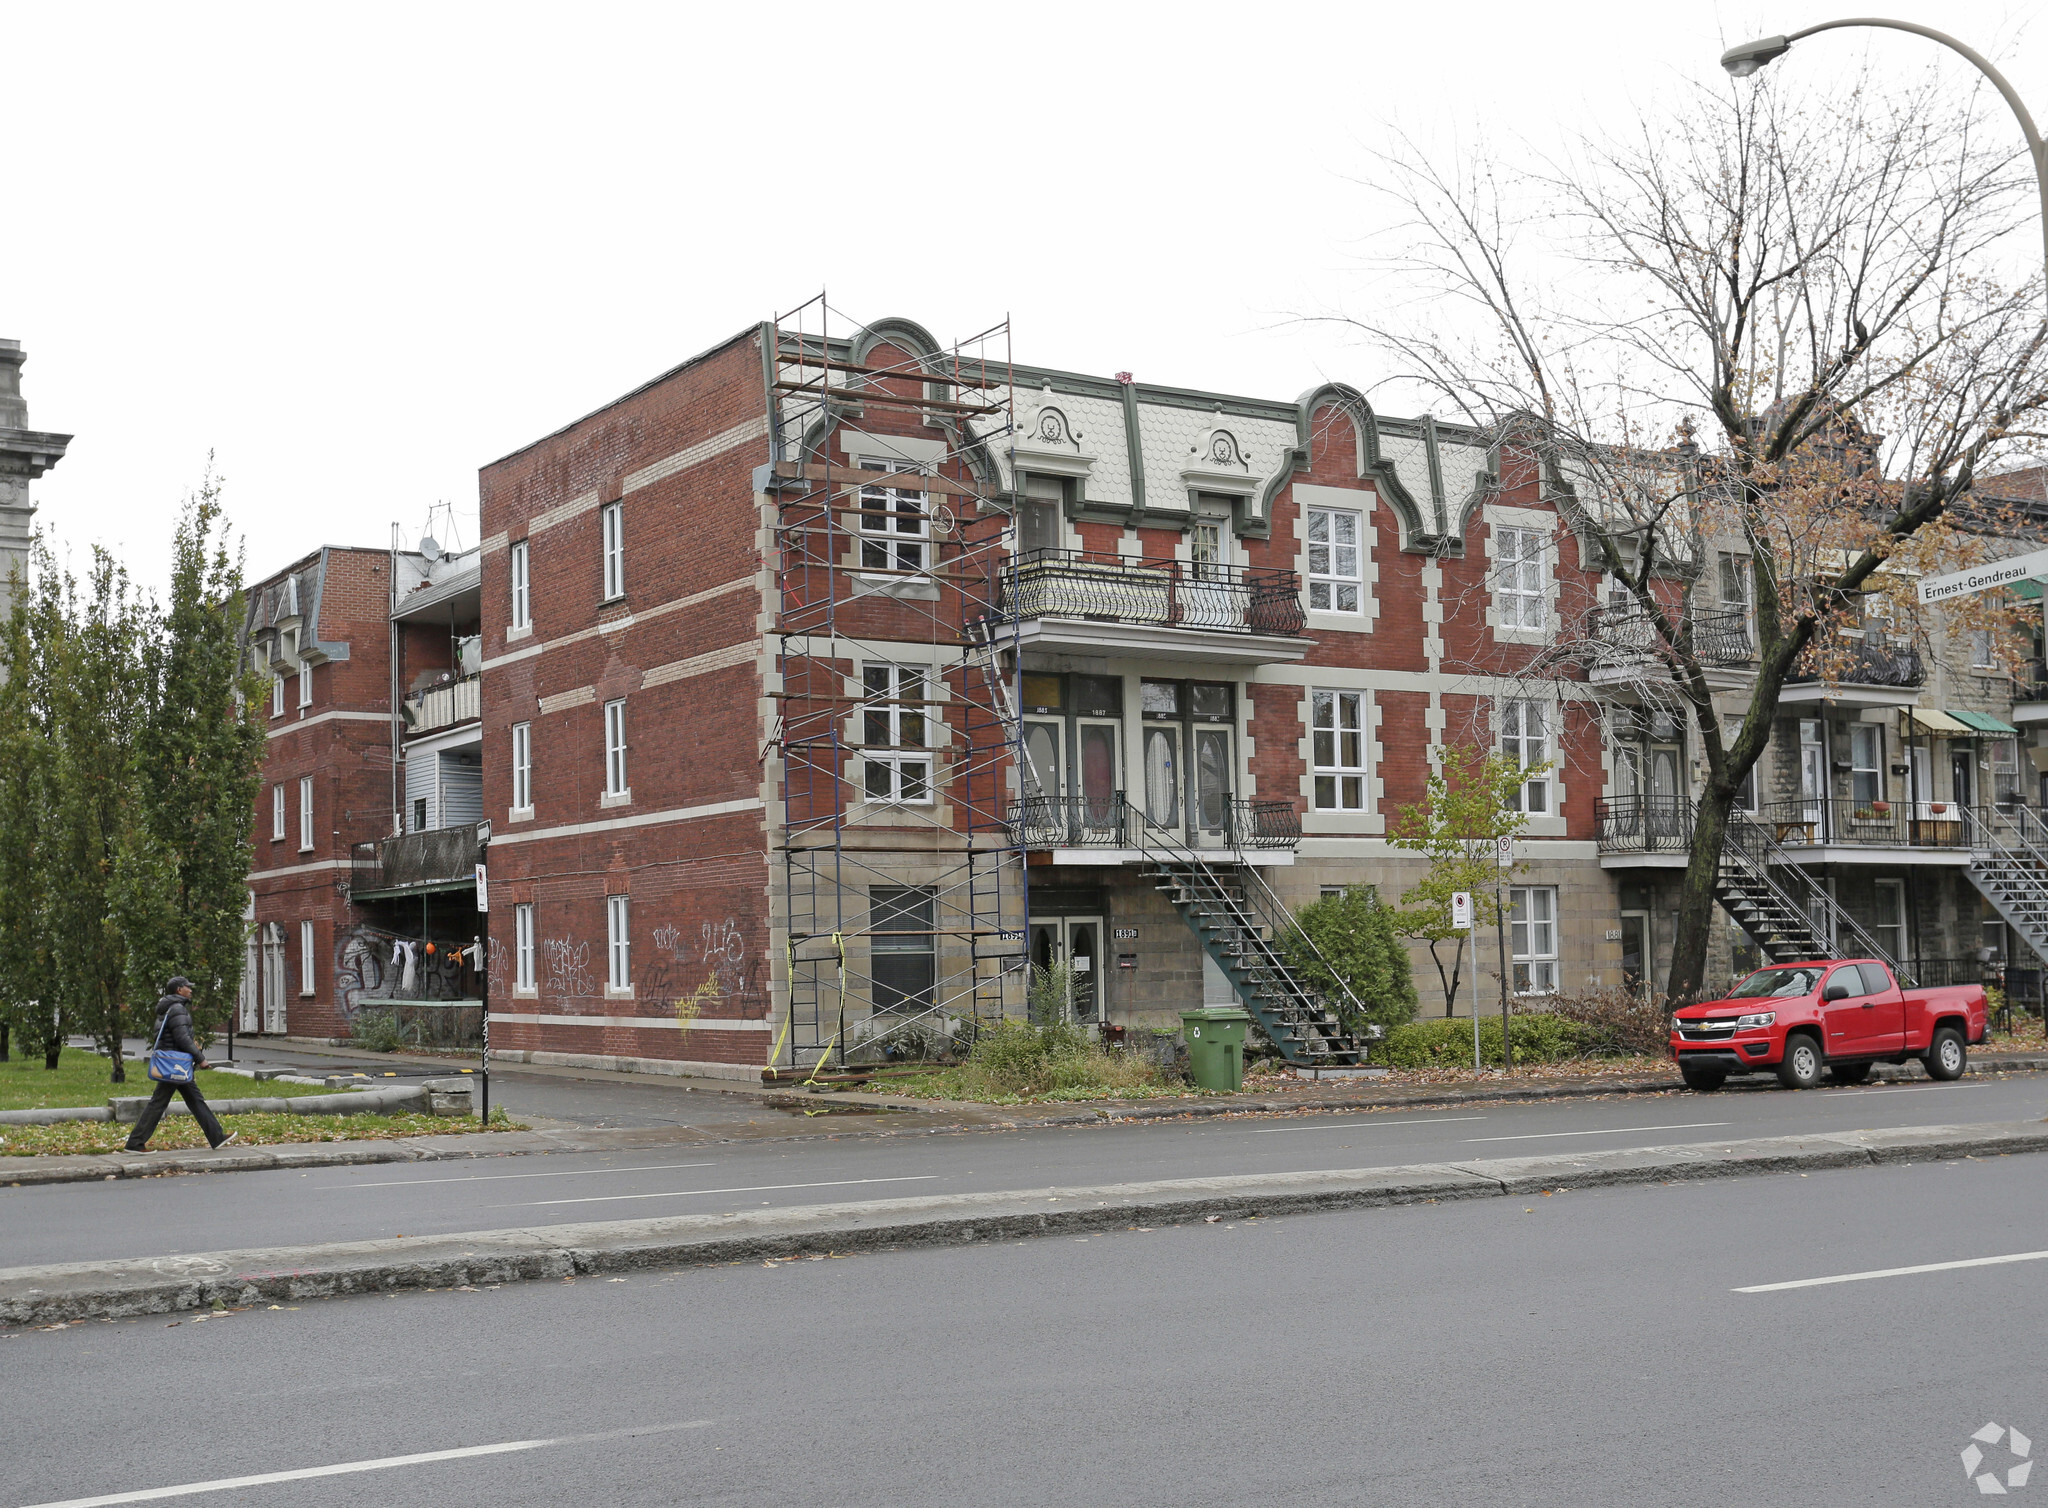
x=689, y=978
x=567, y=963
x=371, y=963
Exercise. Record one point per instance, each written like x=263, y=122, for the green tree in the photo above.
x=197, y=758
x=1469, y=804
x=1354, y=941
x=29, y=1004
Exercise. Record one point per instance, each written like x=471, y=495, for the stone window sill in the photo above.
x=621, y=798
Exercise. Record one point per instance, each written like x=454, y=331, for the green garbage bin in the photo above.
x=1215, y=1037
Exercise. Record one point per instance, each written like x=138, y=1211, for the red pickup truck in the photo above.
x=1799, y=1020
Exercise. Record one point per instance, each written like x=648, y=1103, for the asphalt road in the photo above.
x=1582, y=1349
x=162, y=1217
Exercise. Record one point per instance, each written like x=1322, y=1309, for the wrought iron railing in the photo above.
x=1718, y=638
x=1264, y=824
x=1171, y=593
x=2031, y=682
x=1071, y=821
x=1865, y=664
x=1645, y=824
x=438, y=857
x=1871, y=824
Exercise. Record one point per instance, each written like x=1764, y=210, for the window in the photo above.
x=522, y=767
x=305, y=685
x=1339, y=742
x=277, y=696
x=902, y=956
x=2005, y=770
x=1734, y=579
x=1888, y=918
x=612, y=525
x=1525, y=738
x=1745, y=791
x=1518, y=589
x=1038, y=514
x=892, y=521
x=618, y=948
x=522, y=946
x=892, y=718
x=306, y=814
x=419, y=814
x=306, y=959
x=1335, y=584
x=1205, y=552
x=1866, y=753
x=277, y=812
x=1983, y=650
x=1532, y=938
x=522, y=607
x=615, y=748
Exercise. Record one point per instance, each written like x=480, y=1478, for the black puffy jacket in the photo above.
x=174, y=1019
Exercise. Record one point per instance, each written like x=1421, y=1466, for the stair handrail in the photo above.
x=1751, y=834
x=2031, y=831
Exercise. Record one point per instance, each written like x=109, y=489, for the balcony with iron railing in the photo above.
x=1936, y=831
x=1628, y=637
x=447, y=705
x=1049, y=823
x=1079, y=600
x=442, y=858
x=1893, y=670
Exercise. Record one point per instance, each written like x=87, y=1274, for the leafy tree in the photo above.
x=1356, y=944
x=198, y=754
x=1468, y=805
x=29, y=1005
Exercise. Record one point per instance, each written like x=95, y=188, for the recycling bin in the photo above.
x=1215, y=1038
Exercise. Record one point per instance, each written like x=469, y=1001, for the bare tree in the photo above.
x=1816, y=286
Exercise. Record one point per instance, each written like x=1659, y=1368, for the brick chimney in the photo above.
x=25, y=454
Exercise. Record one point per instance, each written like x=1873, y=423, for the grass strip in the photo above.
x=71, y=1138
x=83, y=1078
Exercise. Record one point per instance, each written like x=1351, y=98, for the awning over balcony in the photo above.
x=1932, y=721
x=1984, y=722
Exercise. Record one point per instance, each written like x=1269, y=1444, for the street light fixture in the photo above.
x=1742, y=61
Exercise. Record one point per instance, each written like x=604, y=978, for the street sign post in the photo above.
x=1461, y=910
x=1984, y=577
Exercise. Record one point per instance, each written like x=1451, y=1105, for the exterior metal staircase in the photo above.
x=2009, y=867
x=1791, y=915
x=1239, y=922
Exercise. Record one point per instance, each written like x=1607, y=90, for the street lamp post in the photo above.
x=1750, y=56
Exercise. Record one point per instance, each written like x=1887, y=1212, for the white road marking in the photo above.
x=1435, y=1120
x=759, y=1188
x=1616, y=1131
x=345, y=1468
x=400, y=1183
x=1894, y=1272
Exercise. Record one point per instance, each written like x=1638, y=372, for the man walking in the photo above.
x=174, y=1030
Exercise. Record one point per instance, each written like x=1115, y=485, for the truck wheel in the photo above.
x=1946, y=1055
x=1849, y=1073
x=1803, y=1063
x=1705, y=1080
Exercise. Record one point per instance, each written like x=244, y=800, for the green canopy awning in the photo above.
x=2026, y=590
x=1983, y=722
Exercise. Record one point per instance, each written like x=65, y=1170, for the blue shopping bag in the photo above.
x=166, y=1065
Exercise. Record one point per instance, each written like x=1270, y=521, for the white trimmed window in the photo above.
x=615, y=748
x=522, y=605
x=305, y=684
x=899, y=765
x=522, y=946
x=277, y=812
x=1339, y=744
x=1525, y=738
x=618, y=948
x=1518, y=587
x=522, y=767
x=306, y=973
x=893, y=528
x=1336, y=583
x=612, y=524
x=277, y=696
x=1532, y=938
x=306, y=814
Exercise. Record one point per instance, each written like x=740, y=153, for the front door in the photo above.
x=1100, y=780
x=1813, y=775
x=1635, y=949
x=1667, y=825
x=1162, y=775
x=1962, y=776
x=1209, y=793
x=1077, y=942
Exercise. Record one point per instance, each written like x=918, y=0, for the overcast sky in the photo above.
x=357, y=252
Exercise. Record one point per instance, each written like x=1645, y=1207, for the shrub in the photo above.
x=1015, y=1058
x=1360, y=949
x=1617, y=1022
x=1446, y=1042
x=381, y=1031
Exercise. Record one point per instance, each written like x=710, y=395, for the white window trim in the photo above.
x=1339, y=772
x=305, y=814
x=611, y=521
x=308, y=979
x=1499, y=517
x=867, y=531
x=617, y=787
x=522, y=771
x=1347, y=500
x=305, y=684
x=523, y=950
x=1547, y=710
x=618, y=921
x=277, y=812
x=520, y=564
x=1533, y=958
x=895, y=754
x=277, y=694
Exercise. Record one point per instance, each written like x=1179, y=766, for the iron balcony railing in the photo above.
x=1041, y=822
x=1872, y=824
x=1718, y=638
x=2031, y=683
x=1865, y=664
x=1645, y=824
x=442, y=856
x=458, y=701
x=1170, y=593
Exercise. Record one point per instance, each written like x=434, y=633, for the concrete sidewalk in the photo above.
x=165, y=1285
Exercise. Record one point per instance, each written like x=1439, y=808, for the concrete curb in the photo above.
x=167, y=1285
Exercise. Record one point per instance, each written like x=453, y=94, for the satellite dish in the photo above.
x=430, y=548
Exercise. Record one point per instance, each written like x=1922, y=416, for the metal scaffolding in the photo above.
x=895, y=735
